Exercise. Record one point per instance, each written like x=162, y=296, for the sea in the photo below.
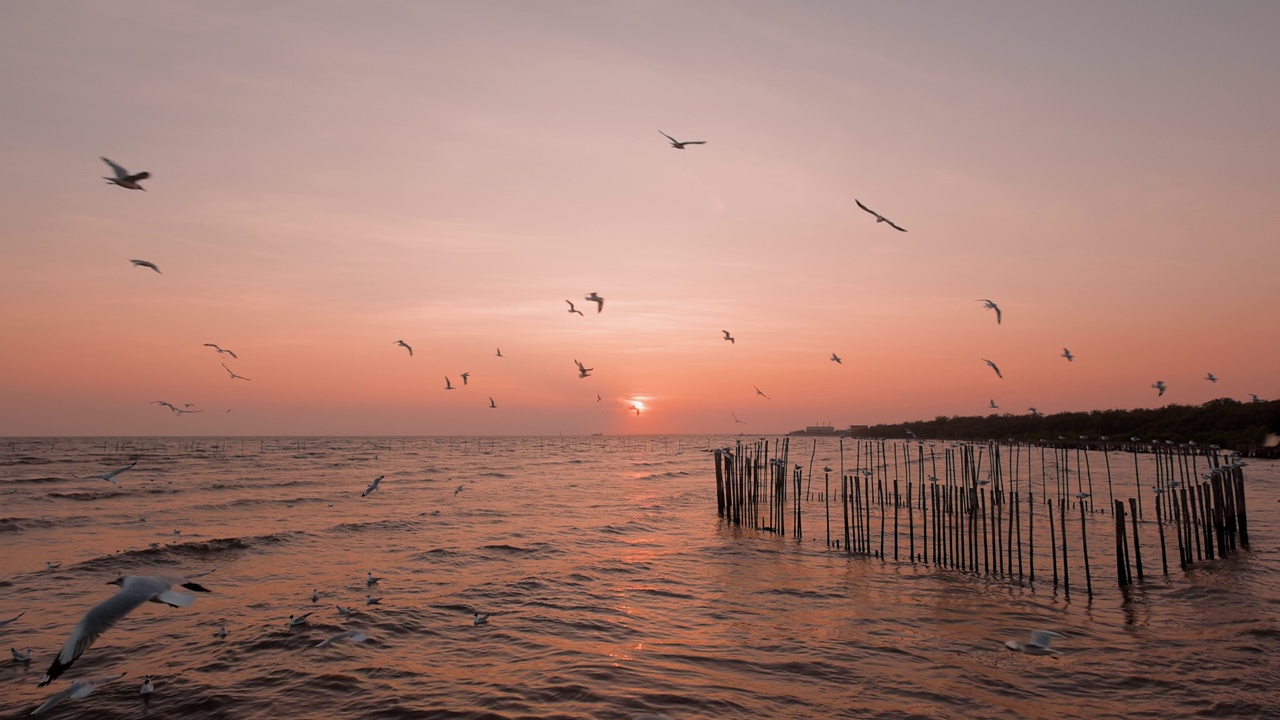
x=614, y=590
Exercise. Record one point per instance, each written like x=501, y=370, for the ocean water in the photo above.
x=615, y=592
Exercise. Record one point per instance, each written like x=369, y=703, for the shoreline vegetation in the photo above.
x=1251, y=428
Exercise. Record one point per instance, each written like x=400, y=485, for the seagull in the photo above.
x=52, y=565
x=1067, y=354
x=123, y=178
x=598, y=398
x=459, y=489
x=22, y=657
x=222, y=631
x=111, y=476
x=1211, y=378
x=79, y=690
x=233, y=375
x=599, y=301
x=146, y=264
x=371, y=580
x=480, y=618
x=499, y=352
x=404, y=345
x=680, y=145
x=345, y=612
x=1254, y=398
x=15, y=617
x=355, y=635
x=171, y=406
x=1082, y=495
x=134, y=591
x=1033, y=411
x=1161, y=387
x=447, y=385
x=299, y=620
x=492, y=404
x=993, y=367
x=147, y=688
x=572, y=309
x=882, y=219
x=836, y=359
x=735, y=418
x=729, y=337
x=990, y=305
x=371, y=600
x=464, y=377
x=372, y=487
x=315, y=595
x=994, y=406
x=761, y=393
x=633, y=407
x=583, y=371
x=1038, y=645
x=220, y=350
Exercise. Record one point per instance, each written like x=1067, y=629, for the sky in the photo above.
x=330, y=177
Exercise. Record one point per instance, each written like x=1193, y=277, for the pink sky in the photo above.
x=329, y=177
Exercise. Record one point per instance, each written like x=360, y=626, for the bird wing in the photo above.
x=864, y=207
x=215, y=347
x=894, y=226
x=58, y=697
x=233, y=355
x=137, y=176
x=100, y=618
x=120, y=172
x=694, y=142
x=659, y=132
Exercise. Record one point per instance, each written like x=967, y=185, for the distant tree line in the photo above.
x=1225, y=422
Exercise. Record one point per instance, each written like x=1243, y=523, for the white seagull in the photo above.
x=373, y=486
x=990, y=305
x=111, y=476
x=879, y=218
x=354, y=635
x=134, y=591
x=299, y=620
x=147, y=687
x=1161, y=387
x=480, y=618
x=52, y=565
x=371, y=600
x=344, y=611
x=993, y=367
x=79, y=690
x=233, y=375
x=22, y=657
x=680, y=145
x=836, y=359
x=1067, y=354
x=599, y=301
x=1038, y=645
x=146, y=264
x=583, y=371
x=220, y=350
x=371, y=580
x=1211, y=377
x=404, y=345
x=729, y=337
x=573, y=309
x=123, y=178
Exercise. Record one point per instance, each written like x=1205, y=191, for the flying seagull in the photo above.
x=111, y=476
x=1038, y=645
x=994, y=406
x=146, y=264
x=990, y=305
x=134, y=591
x=729, y=337
x=633, y=407
x=1159, y=385
x=836, y=359
x=761, y=394
x=1211, y=377
x=123, y=178
x=572, y=309
x=599, y=301
x=404, y=345
x=220, y=350
x=735, y=418
x=1067, y=354
x=499, y=352
x=492, y=404
x=880, y=218
x=582, y=371
x=680, y=145
x=79, y=690
x=373, y=486
x=233, y=375
x=464, y=377
x=993, y=367
x=1033, y=411
x=1254, y=398
x=171, y=406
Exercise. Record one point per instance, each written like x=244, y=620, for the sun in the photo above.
x=639, y=405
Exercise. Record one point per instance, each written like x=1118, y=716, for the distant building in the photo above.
x=817, y=431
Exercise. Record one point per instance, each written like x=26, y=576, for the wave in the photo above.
x=204, y=550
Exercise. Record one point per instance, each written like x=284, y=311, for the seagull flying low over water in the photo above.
x=993, y=367
x=572, y=309
x=991, y=306
x=232, y=374
x=372, y=487
x=1211, y=377
x=134, y=591
x=1038, y=645
x=79, y=690
x=354, y=635
x=146, y=264
x=220, y=350
x=729, y=337
x=459, y=489
x=1161, y=387
x=761, y=393
x=404, y=345
x=599, y=301
x=1067, y=354
x=879, y=218
x=111, y=476
x=583, y=371
x=836, y=359
x=680, y=145
x=123, y=178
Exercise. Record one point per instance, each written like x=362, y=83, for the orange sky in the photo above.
x=330, y=177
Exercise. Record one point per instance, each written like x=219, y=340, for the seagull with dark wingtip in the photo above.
x=680, y=145
x=123, y=178
x=991, y=306
x=879, y=218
